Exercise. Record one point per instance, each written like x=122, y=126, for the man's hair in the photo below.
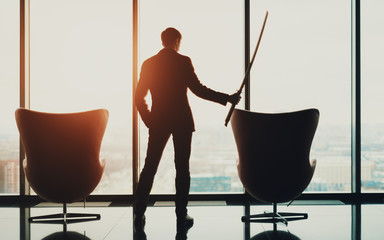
x=169, y=36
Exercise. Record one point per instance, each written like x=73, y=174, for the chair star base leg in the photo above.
x=65, y=218
x=278, y=217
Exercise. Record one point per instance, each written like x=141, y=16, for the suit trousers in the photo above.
x=182, y=148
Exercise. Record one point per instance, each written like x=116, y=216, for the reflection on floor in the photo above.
x=326, y=220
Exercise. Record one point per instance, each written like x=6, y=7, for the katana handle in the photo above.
x=230, y=112
x=247, y=71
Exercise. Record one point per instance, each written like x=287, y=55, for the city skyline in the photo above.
x=219, y=162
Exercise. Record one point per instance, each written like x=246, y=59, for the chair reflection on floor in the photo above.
x=273, y=163
x=68, y=235
x=275, y=235
x=62, y=158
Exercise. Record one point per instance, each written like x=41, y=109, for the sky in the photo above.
x=81, y=54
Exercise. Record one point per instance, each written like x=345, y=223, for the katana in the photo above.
x=247, y=71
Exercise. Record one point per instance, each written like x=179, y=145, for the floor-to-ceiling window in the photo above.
x=212, y=36
x=9, y=96
x=80, y=60
x=372, y=96
x=304, y=61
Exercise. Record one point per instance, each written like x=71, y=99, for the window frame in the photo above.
x=355, y=193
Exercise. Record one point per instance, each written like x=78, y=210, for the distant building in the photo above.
x=336, y=175
x=9, y=176
x=317, y=185
x=210, y=184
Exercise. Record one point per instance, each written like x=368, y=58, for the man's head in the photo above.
x=171, y=38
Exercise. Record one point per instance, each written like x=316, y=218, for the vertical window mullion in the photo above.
x=356, y=98
x=24, y=188
x=24, y=81
x=246, y=51
x=135, y=128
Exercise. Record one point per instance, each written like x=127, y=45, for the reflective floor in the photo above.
x=213, y=220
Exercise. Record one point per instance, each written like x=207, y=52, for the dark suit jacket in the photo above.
x=168, y=75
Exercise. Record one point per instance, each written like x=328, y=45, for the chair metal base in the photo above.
x=65, y=218
x=275, y=217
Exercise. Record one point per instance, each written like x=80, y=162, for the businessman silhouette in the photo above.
x=168, y=75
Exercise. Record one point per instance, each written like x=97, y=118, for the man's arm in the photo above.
x=201, y=90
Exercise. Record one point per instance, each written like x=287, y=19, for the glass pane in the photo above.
x=372, y=129
x=80, y=60
x=215, y=46
x=304, y=62
x=10, y=222
x=9, y=96
x=371, y=217
x=318, y=215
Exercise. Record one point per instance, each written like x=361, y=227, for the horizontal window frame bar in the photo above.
x=231, y=199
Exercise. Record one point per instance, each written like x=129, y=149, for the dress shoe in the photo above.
x=184, y=223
